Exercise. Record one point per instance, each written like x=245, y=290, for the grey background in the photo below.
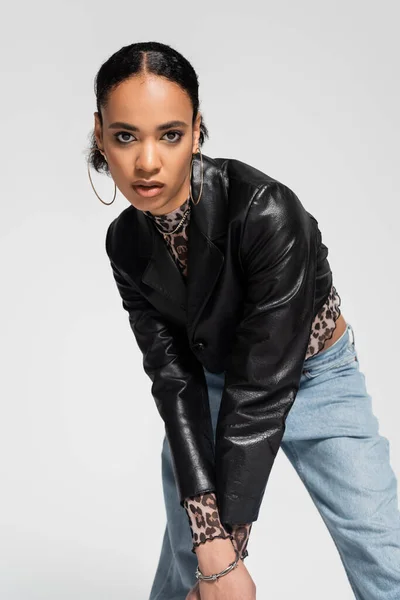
x=306, y=91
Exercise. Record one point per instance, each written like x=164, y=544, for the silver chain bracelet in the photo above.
x=214, y=577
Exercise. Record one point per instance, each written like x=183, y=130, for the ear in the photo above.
x=196, y=133
x=98, y=131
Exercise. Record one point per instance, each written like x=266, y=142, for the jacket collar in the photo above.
x=144, y=255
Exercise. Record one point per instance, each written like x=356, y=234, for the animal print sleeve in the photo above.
x=205, y=524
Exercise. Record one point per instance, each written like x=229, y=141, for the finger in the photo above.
x=194, y=593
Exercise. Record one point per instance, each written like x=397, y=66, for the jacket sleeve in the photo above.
x=178, y=388
x=278, y=254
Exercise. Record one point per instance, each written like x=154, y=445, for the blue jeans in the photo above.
x=347, y=474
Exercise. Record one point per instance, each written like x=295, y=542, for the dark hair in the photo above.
x=138, y=59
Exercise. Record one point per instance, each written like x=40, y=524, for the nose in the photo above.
x=148, y=159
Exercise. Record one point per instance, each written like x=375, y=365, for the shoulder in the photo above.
x=272, y=221
x=278, y=207
x=237, y=172
x=120, y=229
x=261, y=195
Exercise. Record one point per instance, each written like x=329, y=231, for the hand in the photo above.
x=214, y=556
x=236, y=585
x=210, y=594
x=194, y=593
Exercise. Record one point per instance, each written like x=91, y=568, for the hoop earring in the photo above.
x=202, y=177
x=115, y=188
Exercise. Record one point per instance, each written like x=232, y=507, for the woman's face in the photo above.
x=137, y=148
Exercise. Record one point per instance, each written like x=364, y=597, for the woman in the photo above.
x=230, y=297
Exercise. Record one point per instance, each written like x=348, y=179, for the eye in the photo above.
x=178, y=133
x=122, y=133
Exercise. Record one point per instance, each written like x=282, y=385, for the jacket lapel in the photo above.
x=162, y=273
x=207, y=233
x=151, y=263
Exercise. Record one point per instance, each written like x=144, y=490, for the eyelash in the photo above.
x=179, y=133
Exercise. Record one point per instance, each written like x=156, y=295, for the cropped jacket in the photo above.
x=257, y=275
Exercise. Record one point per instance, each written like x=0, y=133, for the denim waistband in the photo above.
x=336, y=350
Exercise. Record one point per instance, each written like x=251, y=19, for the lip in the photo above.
x=148, y=191
x=147, y=182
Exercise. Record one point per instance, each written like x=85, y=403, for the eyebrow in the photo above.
x=168, y=125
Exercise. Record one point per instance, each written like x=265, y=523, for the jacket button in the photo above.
x=199, y=345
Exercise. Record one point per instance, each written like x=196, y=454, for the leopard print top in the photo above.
x=204, y=523
x=202, y=509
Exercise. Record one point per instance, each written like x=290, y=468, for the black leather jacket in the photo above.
x=257, y=275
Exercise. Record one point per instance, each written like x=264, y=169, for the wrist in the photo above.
x=240, y=540
x=215, y=554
